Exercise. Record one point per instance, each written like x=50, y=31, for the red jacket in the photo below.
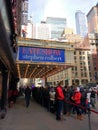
x=59, y=93
x=77, y=97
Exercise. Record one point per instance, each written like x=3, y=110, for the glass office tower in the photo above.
x=81, y=27
x=57, y=26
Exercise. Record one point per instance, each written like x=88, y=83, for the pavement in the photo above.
x=36, y=117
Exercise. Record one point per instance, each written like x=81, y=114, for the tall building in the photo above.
x=24, y=12
x=43, y=31
x=92, y=20
x=81, y=27
x=57, y=26
x=24, y=17
x=16, y=10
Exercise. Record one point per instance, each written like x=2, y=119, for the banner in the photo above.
x=36, y=54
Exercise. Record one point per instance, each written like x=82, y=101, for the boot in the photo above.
x=68, y=114
x=78, y=117
x=81, y=117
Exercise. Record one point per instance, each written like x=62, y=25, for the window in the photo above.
x=85, y=74
x=74, y=52
x=75, y=58
x=80, y=57
x=90, y=74
x=94, y=68
x=26, y=7
x=72, y=68
x=80, y=53
x=88, y=58
x=81, y=74
x=84, y=63
x=75, y=68
x=84, y=68
x=88, y=62
x=80, y=63
x=83, y=53
x=95, y=73
x=89, y=68
x=83, y=57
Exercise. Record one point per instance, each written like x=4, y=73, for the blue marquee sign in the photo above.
x=36, y=54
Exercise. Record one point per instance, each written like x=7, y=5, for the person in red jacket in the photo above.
x=77, y=100
x=59, y=101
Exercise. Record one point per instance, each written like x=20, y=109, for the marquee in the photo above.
x=36, y=54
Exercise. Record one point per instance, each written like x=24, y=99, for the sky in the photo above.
x=40, y=9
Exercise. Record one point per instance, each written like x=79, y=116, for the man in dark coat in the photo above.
x=27, y=95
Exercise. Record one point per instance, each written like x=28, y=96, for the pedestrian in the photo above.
x=77, y=100
x=83, y=99
x=67, y=106
x=27, y=95
x=59, y=101
x=93, y=97
x=52, y=100
x=88, y=98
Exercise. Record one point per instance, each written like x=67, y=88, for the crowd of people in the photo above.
x=66, y=100
x=61, y=100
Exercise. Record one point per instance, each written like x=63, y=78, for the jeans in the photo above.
x=27, y=99
x=78, y=109
x=93, y=102
x=59, y=109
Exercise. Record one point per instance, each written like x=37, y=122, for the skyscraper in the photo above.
x=57, y=26
x=81, y=27
x=43, y=31
x=24, y=12
x=24, y=18
x=92, y=19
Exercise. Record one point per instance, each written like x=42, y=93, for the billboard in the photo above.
x=27, y=30
x=36, y=54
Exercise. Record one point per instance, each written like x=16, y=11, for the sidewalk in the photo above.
x=36, y=117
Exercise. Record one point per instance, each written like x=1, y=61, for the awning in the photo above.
x=39, y=70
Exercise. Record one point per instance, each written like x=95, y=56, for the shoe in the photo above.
x=67, y=114
x=58, y=119
x=80, y=117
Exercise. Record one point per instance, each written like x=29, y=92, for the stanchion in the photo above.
x=89, y=112
x=89, y=118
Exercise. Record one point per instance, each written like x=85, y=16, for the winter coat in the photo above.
x=77, y=97
x=59, y=93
